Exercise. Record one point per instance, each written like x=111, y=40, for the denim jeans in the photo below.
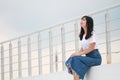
x=81, y=64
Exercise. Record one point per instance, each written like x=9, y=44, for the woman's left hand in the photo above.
x=75, y=54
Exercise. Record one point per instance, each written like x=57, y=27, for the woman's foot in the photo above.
x=69, y=68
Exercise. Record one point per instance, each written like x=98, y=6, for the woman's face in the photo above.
x=83, y=22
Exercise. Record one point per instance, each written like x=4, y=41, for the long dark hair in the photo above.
x=89, y=24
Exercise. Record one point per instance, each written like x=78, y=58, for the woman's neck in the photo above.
x=85, y=31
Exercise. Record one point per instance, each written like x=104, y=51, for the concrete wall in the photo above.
x=103, y=72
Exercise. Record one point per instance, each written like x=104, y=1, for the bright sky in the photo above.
x=19, y=17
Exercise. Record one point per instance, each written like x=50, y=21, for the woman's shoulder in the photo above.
x=93, y=33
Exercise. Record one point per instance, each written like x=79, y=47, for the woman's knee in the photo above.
x=77, y=58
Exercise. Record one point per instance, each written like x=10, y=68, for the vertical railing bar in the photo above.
x=2, y=62
x=19, y=59
x=39, y=54
x=51, y=51
x=108, y=44
x=10, y=61
x=29, y=56
x=56, y=60
x=76, y=37
x=63, y=47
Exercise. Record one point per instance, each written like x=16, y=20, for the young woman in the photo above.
x=77, y=64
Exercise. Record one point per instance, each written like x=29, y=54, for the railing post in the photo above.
x=56, y=60
x=63, y=47
x=39, y=55
x=2, y=62
x=51, y=51
x=10, y=61
x=76, y=37
x=108, y=43
x=19, y=59
x=29, y=56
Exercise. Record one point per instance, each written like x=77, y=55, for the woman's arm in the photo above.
x=81, y=49
x=91, y=48
x=77, y=53
x=82, y=52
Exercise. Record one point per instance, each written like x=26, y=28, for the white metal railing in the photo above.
x=52, y=46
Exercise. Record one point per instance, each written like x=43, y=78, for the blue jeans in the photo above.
x=81, y=64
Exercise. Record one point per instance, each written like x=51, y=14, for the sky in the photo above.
x=20, y=17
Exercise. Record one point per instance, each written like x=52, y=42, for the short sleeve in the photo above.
x=92, y=38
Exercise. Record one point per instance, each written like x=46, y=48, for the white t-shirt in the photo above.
x=86, y=42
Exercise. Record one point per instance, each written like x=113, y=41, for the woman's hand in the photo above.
x=75, y=54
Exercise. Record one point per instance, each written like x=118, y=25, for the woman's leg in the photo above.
x=76, y=77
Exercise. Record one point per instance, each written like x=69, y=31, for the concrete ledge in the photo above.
x=103, y=72
x=53, y=76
